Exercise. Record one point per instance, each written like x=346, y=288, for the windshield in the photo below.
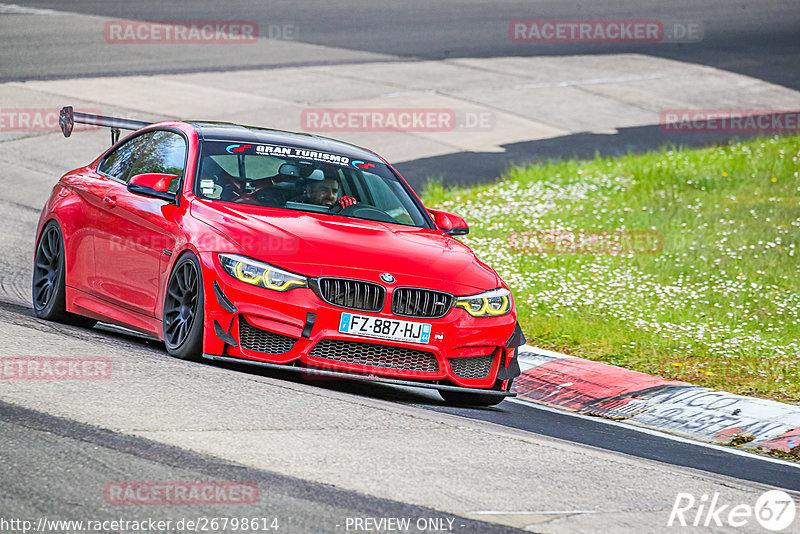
x=303, y=179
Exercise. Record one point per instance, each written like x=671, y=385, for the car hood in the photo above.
x=323, y=245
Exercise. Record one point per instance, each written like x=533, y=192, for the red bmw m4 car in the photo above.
x=276, y=249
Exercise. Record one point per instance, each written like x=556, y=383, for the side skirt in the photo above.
x=88, y=305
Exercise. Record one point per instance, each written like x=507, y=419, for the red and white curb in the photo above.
x=595, y=388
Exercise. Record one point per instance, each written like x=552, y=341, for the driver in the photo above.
x=326, y=193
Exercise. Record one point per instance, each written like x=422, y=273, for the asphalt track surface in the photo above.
x=66, y=488
x=583, y=430
x=756, y=39
x=593, y=432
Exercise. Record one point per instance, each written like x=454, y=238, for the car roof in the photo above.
x=223, y=131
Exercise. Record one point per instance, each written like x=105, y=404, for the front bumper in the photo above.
x=297, y=330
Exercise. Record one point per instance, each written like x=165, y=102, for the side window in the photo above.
x=165, y=154
x=352, y=186
x=386, y=199
x=119, y=162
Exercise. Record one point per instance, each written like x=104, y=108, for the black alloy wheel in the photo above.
x=47, y=270
x=183, y=310
x=49, y=279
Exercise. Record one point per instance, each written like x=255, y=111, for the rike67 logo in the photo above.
x=774, y=510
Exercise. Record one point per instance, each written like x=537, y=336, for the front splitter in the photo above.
x=355, y=376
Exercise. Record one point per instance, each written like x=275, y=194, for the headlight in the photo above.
x=489, y=304
x=262, y=274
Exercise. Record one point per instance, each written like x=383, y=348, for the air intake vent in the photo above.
x=412, y=302
x=375, y=355
x=257, y=340
x=353, y=294
x=475, y=367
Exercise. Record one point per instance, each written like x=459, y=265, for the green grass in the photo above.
x=718, y=306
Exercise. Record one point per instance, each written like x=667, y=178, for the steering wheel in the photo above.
x=337, y=207
x=363, y=211
x=259, y=186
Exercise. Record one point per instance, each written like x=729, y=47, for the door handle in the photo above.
x=110, y=201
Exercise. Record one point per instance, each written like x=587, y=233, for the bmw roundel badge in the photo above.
x=388, y=278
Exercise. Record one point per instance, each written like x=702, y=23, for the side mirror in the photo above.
x=449, y=223
x=153, y=184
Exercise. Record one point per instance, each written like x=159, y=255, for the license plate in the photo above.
x=380, y=327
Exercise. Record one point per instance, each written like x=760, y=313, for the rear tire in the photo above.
x=183, y=319
x=48, y=288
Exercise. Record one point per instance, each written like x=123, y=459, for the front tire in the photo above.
x=183, y=310
x=461, y=398
x=49, y=288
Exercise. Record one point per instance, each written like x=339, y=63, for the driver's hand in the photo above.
x=346, y=201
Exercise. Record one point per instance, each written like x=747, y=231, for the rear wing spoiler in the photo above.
x=67, y=119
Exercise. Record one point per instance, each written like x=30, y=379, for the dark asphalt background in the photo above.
x=755, y=38
x=67, y=465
